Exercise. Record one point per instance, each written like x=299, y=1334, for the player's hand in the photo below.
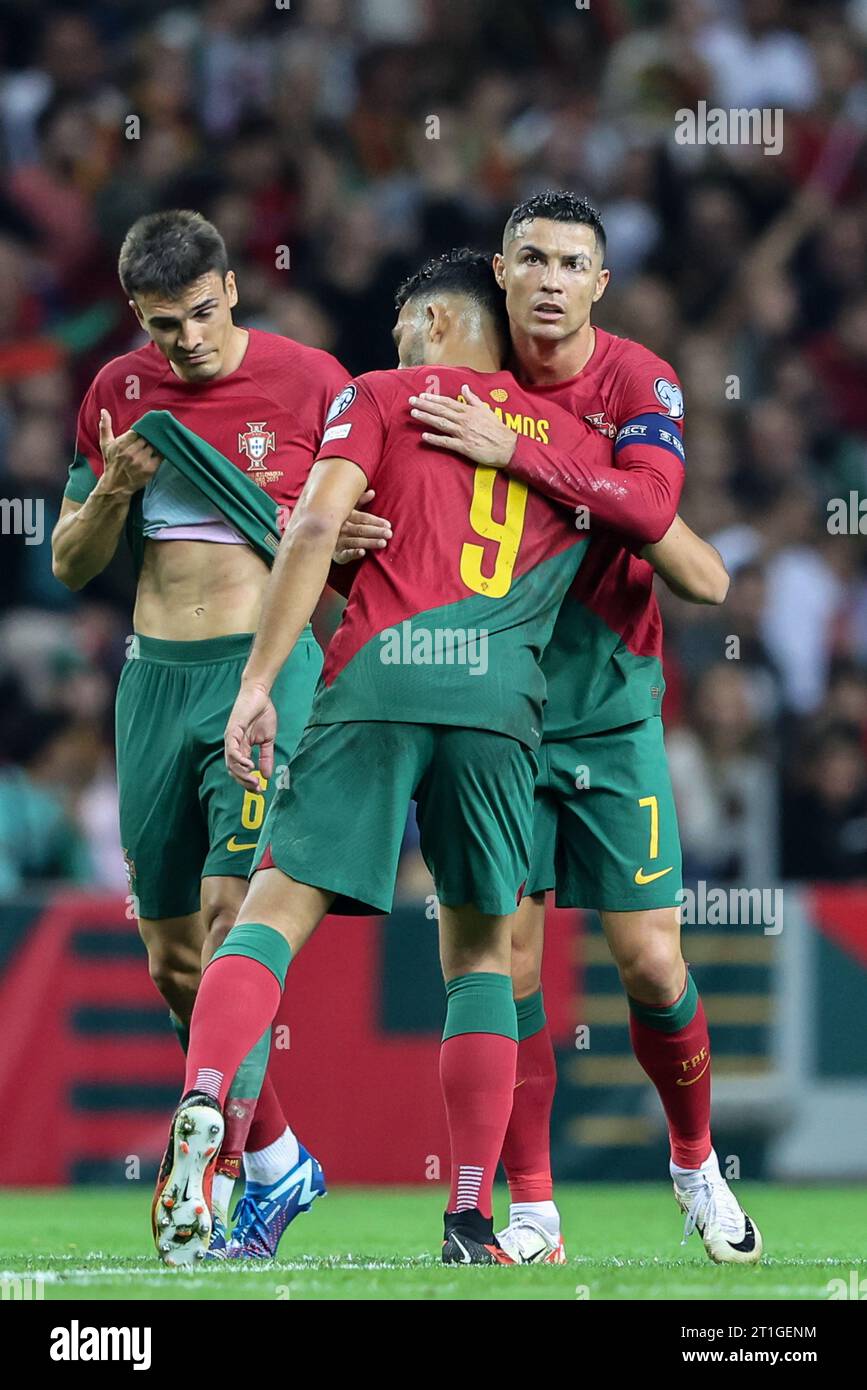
x=360, y=532
x=252, y=723
x=130, y=462
x=470, y=428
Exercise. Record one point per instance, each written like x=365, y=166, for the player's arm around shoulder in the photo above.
x=651, y=396
x=691, y=567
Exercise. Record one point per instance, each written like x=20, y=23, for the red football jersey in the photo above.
x=604, y=662
x=473, y=552
x=266, y=416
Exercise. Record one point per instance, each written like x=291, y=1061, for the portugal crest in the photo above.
x=256, y=443
x=600, y=423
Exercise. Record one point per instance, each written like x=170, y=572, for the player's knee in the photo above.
x=526, y=969
x=176, y=976
x=653, y=971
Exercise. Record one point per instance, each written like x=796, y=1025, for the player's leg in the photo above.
x=627, y=859
x=162, y=830
x=533, y=1234
x=235, y=1006
x=252, y=1090
x=241, y=987
x=235, y=817
x=670, y=1038
x=174, y=947
x=477, y=1072
x=475, y=816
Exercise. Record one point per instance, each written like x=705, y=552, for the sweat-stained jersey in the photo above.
x=603, y=665
x=265, y=417
x=447, y=625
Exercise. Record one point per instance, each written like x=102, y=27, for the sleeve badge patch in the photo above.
x=670, y=396
x=340, y=403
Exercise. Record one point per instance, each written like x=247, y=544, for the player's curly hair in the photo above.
x=460, y=270
x=557, y=205
x=164, y=252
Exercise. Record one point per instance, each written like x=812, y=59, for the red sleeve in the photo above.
x=355, y=429
x=87, y=432
x=332, y=382
x=87, y=464
x=639, y=497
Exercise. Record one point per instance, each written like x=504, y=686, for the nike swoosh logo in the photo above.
x=232, y=845
x=642, y=877
x=679, y=1082
x=466, y=1257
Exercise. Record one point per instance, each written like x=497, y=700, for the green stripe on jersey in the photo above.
x=595, y=682
x=472, y=663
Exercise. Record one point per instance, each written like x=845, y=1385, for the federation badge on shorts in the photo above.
x=257, y=442
x=669, y=395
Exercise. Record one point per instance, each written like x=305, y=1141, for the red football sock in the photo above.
x=269, y=1121
x=527, y=1146
x=678, y=1064
x=477, y=1073
x=236, y=1002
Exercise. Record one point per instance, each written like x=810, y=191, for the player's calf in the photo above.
x=174, y=947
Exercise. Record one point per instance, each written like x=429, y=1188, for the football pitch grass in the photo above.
x=623, y=1242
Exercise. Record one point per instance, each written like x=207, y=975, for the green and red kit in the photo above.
x=443, y=630
x=236, y=453
x=606, y=825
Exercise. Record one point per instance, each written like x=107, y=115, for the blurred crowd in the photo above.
x=338, y=142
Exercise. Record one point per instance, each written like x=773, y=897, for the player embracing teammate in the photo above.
x=605, y=832
x=603, y=829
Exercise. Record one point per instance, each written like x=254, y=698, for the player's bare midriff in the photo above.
x=197, y=589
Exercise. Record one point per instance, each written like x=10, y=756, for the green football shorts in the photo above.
x=339, y=823
x=182, y=817
x=605, y=826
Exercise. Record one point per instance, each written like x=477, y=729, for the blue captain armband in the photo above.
x=653, y=430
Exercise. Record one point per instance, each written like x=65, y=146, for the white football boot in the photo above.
x=712, y=1209
x=181, y=1214
x=528, y=1243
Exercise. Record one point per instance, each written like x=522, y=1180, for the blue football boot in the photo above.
x=266, y=1209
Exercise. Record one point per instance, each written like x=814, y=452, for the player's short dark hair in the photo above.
x=557, y=205
x=164, y=252
x=459, y=271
